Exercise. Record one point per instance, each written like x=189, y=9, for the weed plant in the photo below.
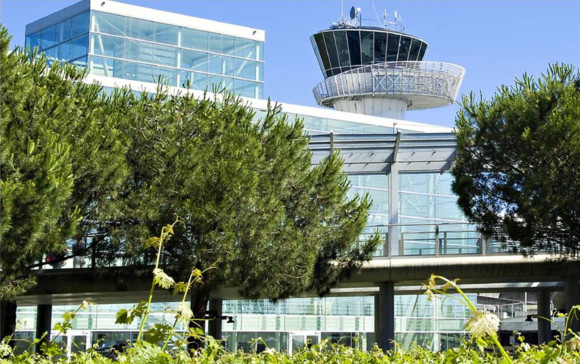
x=152, y=344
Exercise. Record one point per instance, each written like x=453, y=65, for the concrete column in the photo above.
x=544, y=325
x=572, y=293
x=385, y=330
x=215, y=325
x=43, y=323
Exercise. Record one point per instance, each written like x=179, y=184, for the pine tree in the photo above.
x=518, y=157
x=252, y=205
x=62, y=161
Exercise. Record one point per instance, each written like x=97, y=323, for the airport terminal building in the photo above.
x=370, y=77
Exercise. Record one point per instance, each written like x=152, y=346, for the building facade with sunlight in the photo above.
x=372, y=75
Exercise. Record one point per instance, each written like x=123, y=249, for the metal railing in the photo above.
x=436, y=239
x=436, y=80
x=398, y=240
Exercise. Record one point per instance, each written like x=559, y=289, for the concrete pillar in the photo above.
x=544, y=324
x=572, y=293
x=385, y=330
x=43, y=323
x=215, y=325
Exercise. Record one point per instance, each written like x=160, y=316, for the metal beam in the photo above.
x=397, y=144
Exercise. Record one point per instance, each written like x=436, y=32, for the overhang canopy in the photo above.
x=375, y=153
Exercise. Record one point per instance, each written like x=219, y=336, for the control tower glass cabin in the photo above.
x=381, y=72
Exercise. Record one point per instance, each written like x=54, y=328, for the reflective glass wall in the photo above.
x=142, y=50
x=147, y=51
x=340, y=50
x=429, y=215
x=67, y=40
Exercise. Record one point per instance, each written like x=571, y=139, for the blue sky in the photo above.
x=495, y=41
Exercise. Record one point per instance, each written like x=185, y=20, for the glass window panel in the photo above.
x=63, y=30
x=52, y=53
x=144, y=72
x=80, y=62
x=196, y=39
x=109, y=23
x=404, y=49
x=106, y=67
x=246, y=48
x=141, y=29
x=392, y=47
x=65, y=51
x=33, y=40
x=260, y=47
x=247, y=69
x=342, y=49
x=221, y=43
x=108, y=46
x=80, y=46
x=415, y=47
x=422, y=51
x=331, y=48
x=138, y=51
x=198, y=81
x=164, y=55
x=228, y=44
x=321, y=45
x=245, y=88
x=317, y=53
x=380, y=47
x=260, y=70
x=215, y=42
x=367, y=47
x=167, y=34
x=443, y=186
x=354, y=46
x=48, y=36
x=194, y=60
x=80, y=24
x=221, y=65
x=216, y=83
x=166, y=76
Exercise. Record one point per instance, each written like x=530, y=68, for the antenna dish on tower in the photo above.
x=352, y=13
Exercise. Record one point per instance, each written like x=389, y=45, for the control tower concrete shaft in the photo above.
x=378, y=71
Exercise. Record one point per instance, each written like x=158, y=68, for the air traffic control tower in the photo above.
x=380, y=70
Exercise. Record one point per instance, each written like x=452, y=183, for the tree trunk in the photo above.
x=199, y=301
x=7, y=319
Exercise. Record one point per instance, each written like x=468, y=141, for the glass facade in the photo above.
x=429, y=215
x=340, y=50
x=66, y=41
x=339, y=319
x=134, y=49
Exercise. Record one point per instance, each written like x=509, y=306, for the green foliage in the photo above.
x=324, y=352
x=75, y=161
x=62, y=160
x=252, y=205
x=517, y=159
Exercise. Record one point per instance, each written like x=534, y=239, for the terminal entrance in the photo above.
x=300, y=339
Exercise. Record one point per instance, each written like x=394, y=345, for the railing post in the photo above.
x=331, y=136
x=387, y=246
x=445, y=242
x=437, y=242
x=483, y=245
x=402, y=244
